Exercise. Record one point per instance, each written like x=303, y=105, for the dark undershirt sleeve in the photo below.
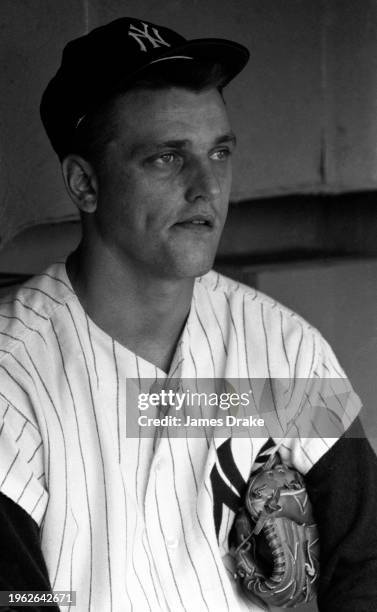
x=343, y=489
x=22, y=567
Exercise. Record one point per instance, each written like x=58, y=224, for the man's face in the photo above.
x=165, y=182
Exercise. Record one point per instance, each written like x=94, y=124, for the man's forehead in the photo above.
x=171, y=113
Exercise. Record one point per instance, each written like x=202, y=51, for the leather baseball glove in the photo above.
x=276, y=540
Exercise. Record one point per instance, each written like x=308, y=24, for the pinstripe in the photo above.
x=65, y=459
x=191, y=463
x=16, y=382
x=207, y=339
x=217, y=282
x=56, y=279
x=192, y=357
x=288, y=362
x=82, y=458
x=205, y=535
x=138, y=370
x=3, y=419
x=246, y=350
x=268, y=366
x=19, y=301
x=312, y=359
x=137, y=491
x=196, y=380
x=92, y=349
x=19, y=412
x=100, y=448
x=1, y=395
x=150, y=566
x=145, y=532
x=166, y=550
x=117, y=398
x=183, y=527
x=234, y=328
x=22, y=431
x=133, y=541
x=43, y=293
x=213, y=558
x=71, y=558
x=176, y=369
x=333, y=416
x=298, y=352
x=18, y=363
x=218, y=324
x=34, y=453
x=10, y=468
x=25, y=487
x=7, y=400
x=210, y=495
x=283, y=344
x=236, y=336
x=336, y=394
x=303, y=449
x=126, y=528
x=37, y=503
x=335, y=366
x=14, y=318
x=15, y=338
x=5, y=411
x=138, y=500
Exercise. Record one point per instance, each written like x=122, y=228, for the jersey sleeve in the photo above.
x=22, y=566
x=322, y=411
x=342, y=487
x=22, y=476
x=328, y=445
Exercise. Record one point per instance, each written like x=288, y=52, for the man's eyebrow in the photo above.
x=229, y=137
x=150, y=147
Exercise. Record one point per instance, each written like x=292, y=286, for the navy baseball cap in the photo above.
x=108, y=59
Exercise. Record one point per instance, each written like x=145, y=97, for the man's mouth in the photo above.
x=198, y=222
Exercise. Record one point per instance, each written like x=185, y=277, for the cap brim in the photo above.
x=232, y=56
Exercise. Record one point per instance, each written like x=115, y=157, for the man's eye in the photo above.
x=221, y=154
x=165, y=159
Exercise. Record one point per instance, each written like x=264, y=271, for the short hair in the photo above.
x=98, y=127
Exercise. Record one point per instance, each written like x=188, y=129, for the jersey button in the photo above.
x=158, y=465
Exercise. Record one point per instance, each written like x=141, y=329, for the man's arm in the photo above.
x=342, y=486
x=22, y=567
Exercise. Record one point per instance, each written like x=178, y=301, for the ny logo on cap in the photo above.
x=138, y=34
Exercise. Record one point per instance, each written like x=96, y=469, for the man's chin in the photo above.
x=192, y=267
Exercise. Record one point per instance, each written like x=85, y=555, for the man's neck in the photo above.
x=143, y=313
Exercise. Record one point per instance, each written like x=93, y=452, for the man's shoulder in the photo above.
x=237, y=294
x=28, y=309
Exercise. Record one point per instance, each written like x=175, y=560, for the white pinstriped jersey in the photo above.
x=125, y=525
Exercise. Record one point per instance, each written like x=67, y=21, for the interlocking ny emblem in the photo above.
x=138, y=35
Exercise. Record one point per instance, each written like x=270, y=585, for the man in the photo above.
x=137, y=117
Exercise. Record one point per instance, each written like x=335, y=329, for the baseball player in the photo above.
x=140, y=522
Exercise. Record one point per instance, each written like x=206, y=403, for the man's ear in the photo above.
x=81, y=182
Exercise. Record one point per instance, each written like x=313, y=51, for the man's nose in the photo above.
x=202, y=182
